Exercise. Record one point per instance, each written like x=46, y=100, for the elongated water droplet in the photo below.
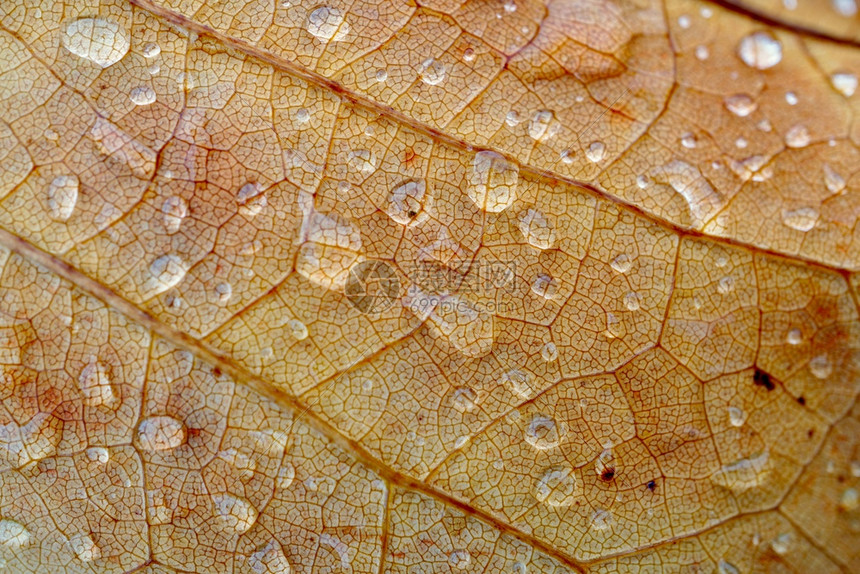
x=850, y=500
x=601, y=519
x=459, y=559
x=760, y=50
x=557, y=487
x=165, y=272
x=820, y=366
x=286, y=475
x=537, y=229
x=157, y=433
x=702, y=199
x=621, y=263
x=801, y=219
x=743, y=474
x=142, y=96
x=468, y=328
x=544, y=432
x=493, y=182
x=724, y=567
x=406, y=202
x=62, y=197
x=541, y=125
x=13, y=534
x=251, y=199
x=432, y=72
x=95, y=384
x=833, y=180
x=101, y=41
x=465, y=399
x=736, y=416
x=520, y=382
x=782, y=543
x=549, y=352
x=236, y=514
x=327, y=24
x=174, y=210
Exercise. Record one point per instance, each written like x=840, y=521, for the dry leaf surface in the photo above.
x=466, y=286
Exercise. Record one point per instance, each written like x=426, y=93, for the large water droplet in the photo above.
x=543, y=432
x=556, y=487
x=236, y=513
x=406, y=202
x=760, y=50
x=468, y=328
x=801, y=219
x=797, y=136
x=174, y=210
x=520, y=382
x=493, y=182
x=327, y=24
x=270, y=559
x=286, y=475
x=820, y=366
x=165, y=272
x=62, y=197
x=845, y=83
x=541, y=126
x=702, y=199
x=743, y=474
x=13, y=534
x=157, y=433
x=95, y=384
x=432, y=72
x=537, y=229
x=151, y=50
x=740, y=105
x=142, y=96
x=101, y=41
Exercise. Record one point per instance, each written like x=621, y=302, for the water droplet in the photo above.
x=332, y=245
x=95, y=384
x=512, y=118
x=801, y=219
x=286, y=475
x=303, y=116
x=493, y=182
x=468, y=328
x=406, y=202
x=595, y=152
x=820, y=366
x=557, y=487
x=13, y=534
x=621, y=263
x=381, y=75
x=797, y=137
x=544, y=286
x=363, y=160
x=684, y=21
x=157, y=433
x=632, y=301
x=101, y=41
x=62, y=197
x=151, y=50
x=432, y=72
x=520, y=382
x=601, y=519
x=298, y=330
x=850, y=499
x=642, y=182
x=327, y=24
x=459, y=559
x=98, y=454
x=726, y=285
x=269, y=559
x=251, y=199
x=142, y=96
x=469, y=55
x=166, y=272
x=461, y=442
x=85, y=547
x=543, y=432
x=760, y=50
x=223, y=291
x=537, y=229
x=740, y=105
x=743, y=474
x=724, y=567
x=736, y=416
x=367, y=386
x=541, y=125
x=794, y=337
x=791, y=98
x=781, y=544
x=465, y=399
x=549, y=352
x=174, y=210
x=833, y=180
x=510, y=6
x=845, y=83
x=235, y=513
x=702, y=200
x=702, y=53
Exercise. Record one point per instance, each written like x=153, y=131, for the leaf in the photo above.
x=471, y=286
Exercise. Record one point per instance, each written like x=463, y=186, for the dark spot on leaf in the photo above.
x=607, y=474
x=810, y=433
x=411, y=214
x=652, y=486
x=801, y=400
x=762, y=379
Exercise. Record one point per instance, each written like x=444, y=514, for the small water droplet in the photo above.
x=794, y=337
x=381, y=75
x=520, y=382
x=174, y=210
x=465, y=399
x=101, y=41
x=549, y=352
x=512, y=118
x=845, y=83
x=688, y=140
x=760, y=50
x=98, y=454
x=791, y=98
x=493, y=182
x=702, y=53
x=286, y=475
x=797, y=137
x=601, y=519
x=302, y=116
x=556, y=487
x=567, y=157
x=406, y=202
x=326, y=24
x=469, y=55
x=367, y=386
x=459, y=559
x=467, y=327
x=736, y=416
x=726, y=285
x=740, y=105
x=596, y=151
x=269, y=559
x=621, y=263
x=13, y=534
x=62, y=197
x=432, y=72
x=541, y=125
x=142, y=96
x=95, y=384
x=850, y=499
x=782, y=543
x=684, y=21
x=157, y=433
x=724, y=567
x=85, y=548
x=363, y=160
x=223, y=291
x=642, y=181
x=235, y=513
x=537, y=229
x=298, y=330
x=543, y=432
x=801, y=219
x=151, y=50
x=632, y=301
x=820, y=366
x=833, y=180
x=706, y=12
x=544, y=286
x=166, y=272
x=461, y=442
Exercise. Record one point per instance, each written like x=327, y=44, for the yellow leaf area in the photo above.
x=472, y=286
